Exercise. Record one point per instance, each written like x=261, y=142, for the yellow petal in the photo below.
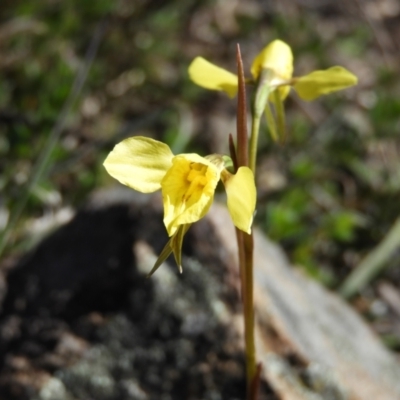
x=317, y=83
x=209, y=76
x=278, y=57
x=140, y=163
x=241, y=195
x=188, y=190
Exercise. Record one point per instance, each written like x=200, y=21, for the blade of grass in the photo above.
x=41, y=166
x=374, y=263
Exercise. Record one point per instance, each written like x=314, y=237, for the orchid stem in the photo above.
x=249, y=313
x=245, y=241
x=245, y=246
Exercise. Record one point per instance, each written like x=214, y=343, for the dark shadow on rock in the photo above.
x=80, y=320
x=83, y=266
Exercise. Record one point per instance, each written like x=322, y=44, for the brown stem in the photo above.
x=245, y=243
x=255, y=385
x=249, y=311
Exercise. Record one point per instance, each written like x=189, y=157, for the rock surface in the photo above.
x=80, y=320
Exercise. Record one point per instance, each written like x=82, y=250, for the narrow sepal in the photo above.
x=271, y=122
x=166, y=251
x=174, y=245
x=280, y=116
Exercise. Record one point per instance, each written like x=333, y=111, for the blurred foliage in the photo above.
x=328, y=195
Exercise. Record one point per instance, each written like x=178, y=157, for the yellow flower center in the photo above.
x=188, y=189
x=197, y=179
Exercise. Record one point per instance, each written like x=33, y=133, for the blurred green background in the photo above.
x=83, y=75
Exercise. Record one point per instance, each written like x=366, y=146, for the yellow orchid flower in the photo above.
x=187, y=183
x=274, y=64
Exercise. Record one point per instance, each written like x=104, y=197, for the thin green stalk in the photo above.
x=259, y=103
x=248, y=279
x=255, y=128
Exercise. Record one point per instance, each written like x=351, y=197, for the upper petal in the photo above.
x=209, y=76
x=278, y=57
x=241, y=195
x=317, y=83
x=188, y=190
x=140, y=163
